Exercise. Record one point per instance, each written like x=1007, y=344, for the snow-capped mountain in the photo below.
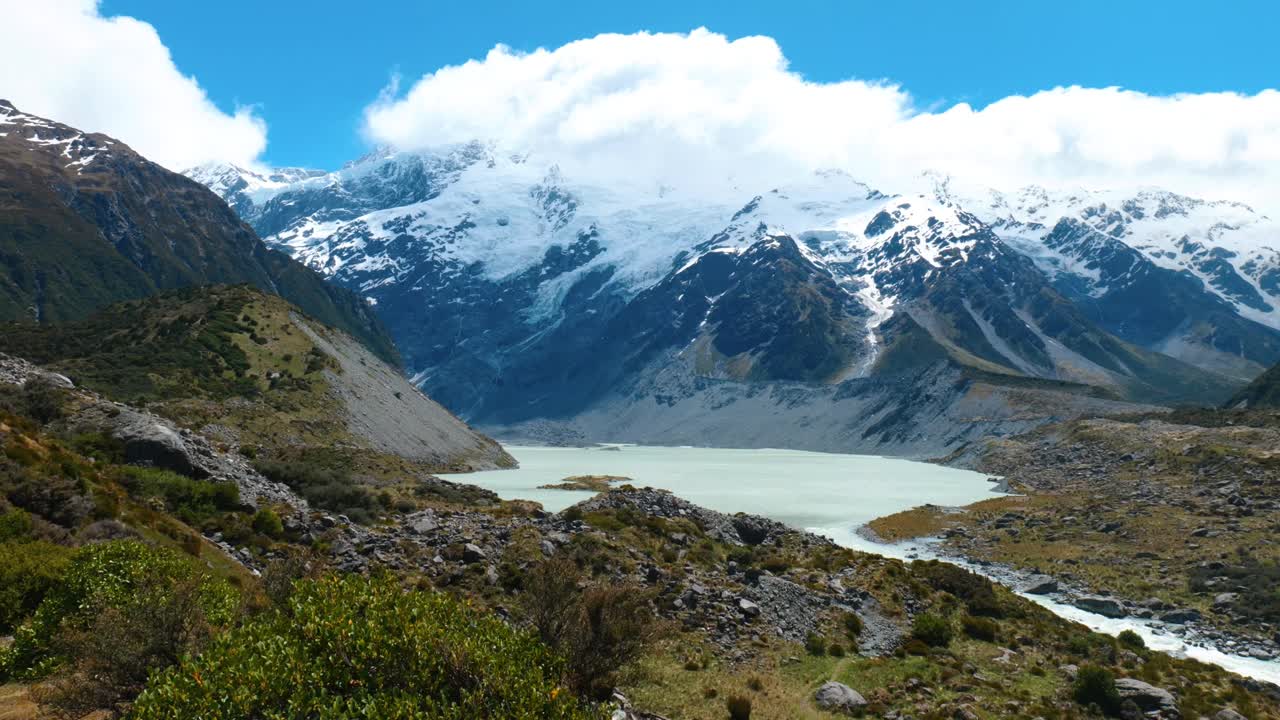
x=1190, y=278
x=517, y=294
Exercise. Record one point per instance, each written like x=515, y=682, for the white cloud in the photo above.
x=63, y=60
x=698, y=108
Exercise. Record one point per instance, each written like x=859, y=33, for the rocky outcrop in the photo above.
x=148, y=439
x=739, y=529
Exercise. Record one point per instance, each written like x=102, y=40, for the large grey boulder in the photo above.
x=1040, y=585
x=1148, y=697
x=838, y=697
x=1104, y=606
x=1180, y=617
x=148, y=441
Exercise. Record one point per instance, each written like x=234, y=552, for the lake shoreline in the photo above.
x=1197, y=640
x=677, y=470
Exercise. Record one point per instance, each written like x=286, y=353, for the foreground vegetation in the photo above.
x=118, y=603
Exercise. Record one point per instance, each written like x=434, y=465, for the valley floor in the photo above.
x=1164, y=517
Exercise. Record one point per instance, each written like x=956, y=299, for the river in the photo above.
x=828, y=494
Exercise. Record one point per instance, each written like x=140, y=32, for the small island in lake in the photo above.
x=594, y=483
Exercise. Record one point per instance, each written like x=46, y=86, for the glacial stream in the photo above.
x=828, y=494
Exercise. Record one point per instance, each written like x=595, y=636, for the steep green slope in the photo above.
x=1263, y=392
x=85, y=222
x=270, y=380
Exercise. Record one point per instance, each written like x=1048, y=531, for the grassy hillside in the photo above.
x=249, y=367
x=1263, y=392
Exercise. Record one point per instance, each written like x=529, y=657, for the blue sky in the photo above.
x=311, y=68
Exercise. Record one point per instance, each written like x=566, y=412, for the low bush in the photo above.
x=739, y=707
x=1131, y=640
x=28, y=571
x=192, y=501
x=1096, y=686
x=330, y=488
x=932, y=630
x=15, y=524
x=354, y=647
x=976, y=592
x=815, y=644
x=915, y=646
x=980, y=628
x=597, y=629
x=267, y=522
x=110, y=577
x=42, y=400
x=852, y=625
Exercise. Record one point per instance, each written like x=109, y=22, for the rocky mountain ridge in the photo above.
x=85, y=222
x=520, y=295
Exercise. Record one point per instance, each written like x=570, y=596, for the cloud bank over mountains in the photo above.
x=699, y=108
x=64, y=60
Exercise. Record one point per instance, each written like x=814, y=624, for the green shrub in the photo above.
x=353, y=647
x=330, y=488
x=109, y=576
x=28, y=570
x=193, y=501
x=1131, y=640
x=932, y=630
x=815, y=644
x=1096, y=686
x=852, y=625
x=739, y=707
x=975, y=591
x=980, y=628
x=596, y=629
x=915, y=646
x=268, y=523
x=42, y=400
x=15, y=524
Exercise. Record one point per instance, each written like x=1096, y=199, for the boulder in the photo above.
x=148, y=441
x=1224, y=599
x=1147, y=697
x=748, y=608
x=1180, y=617
x=1228, y=714
x=1104, y=606
x=424, y=522
x=472, y=553
x=1040, y=585
x=840, y=698
x=752, y=530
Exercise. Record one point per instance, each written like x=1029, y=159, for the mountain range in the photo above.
x=820, y=313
